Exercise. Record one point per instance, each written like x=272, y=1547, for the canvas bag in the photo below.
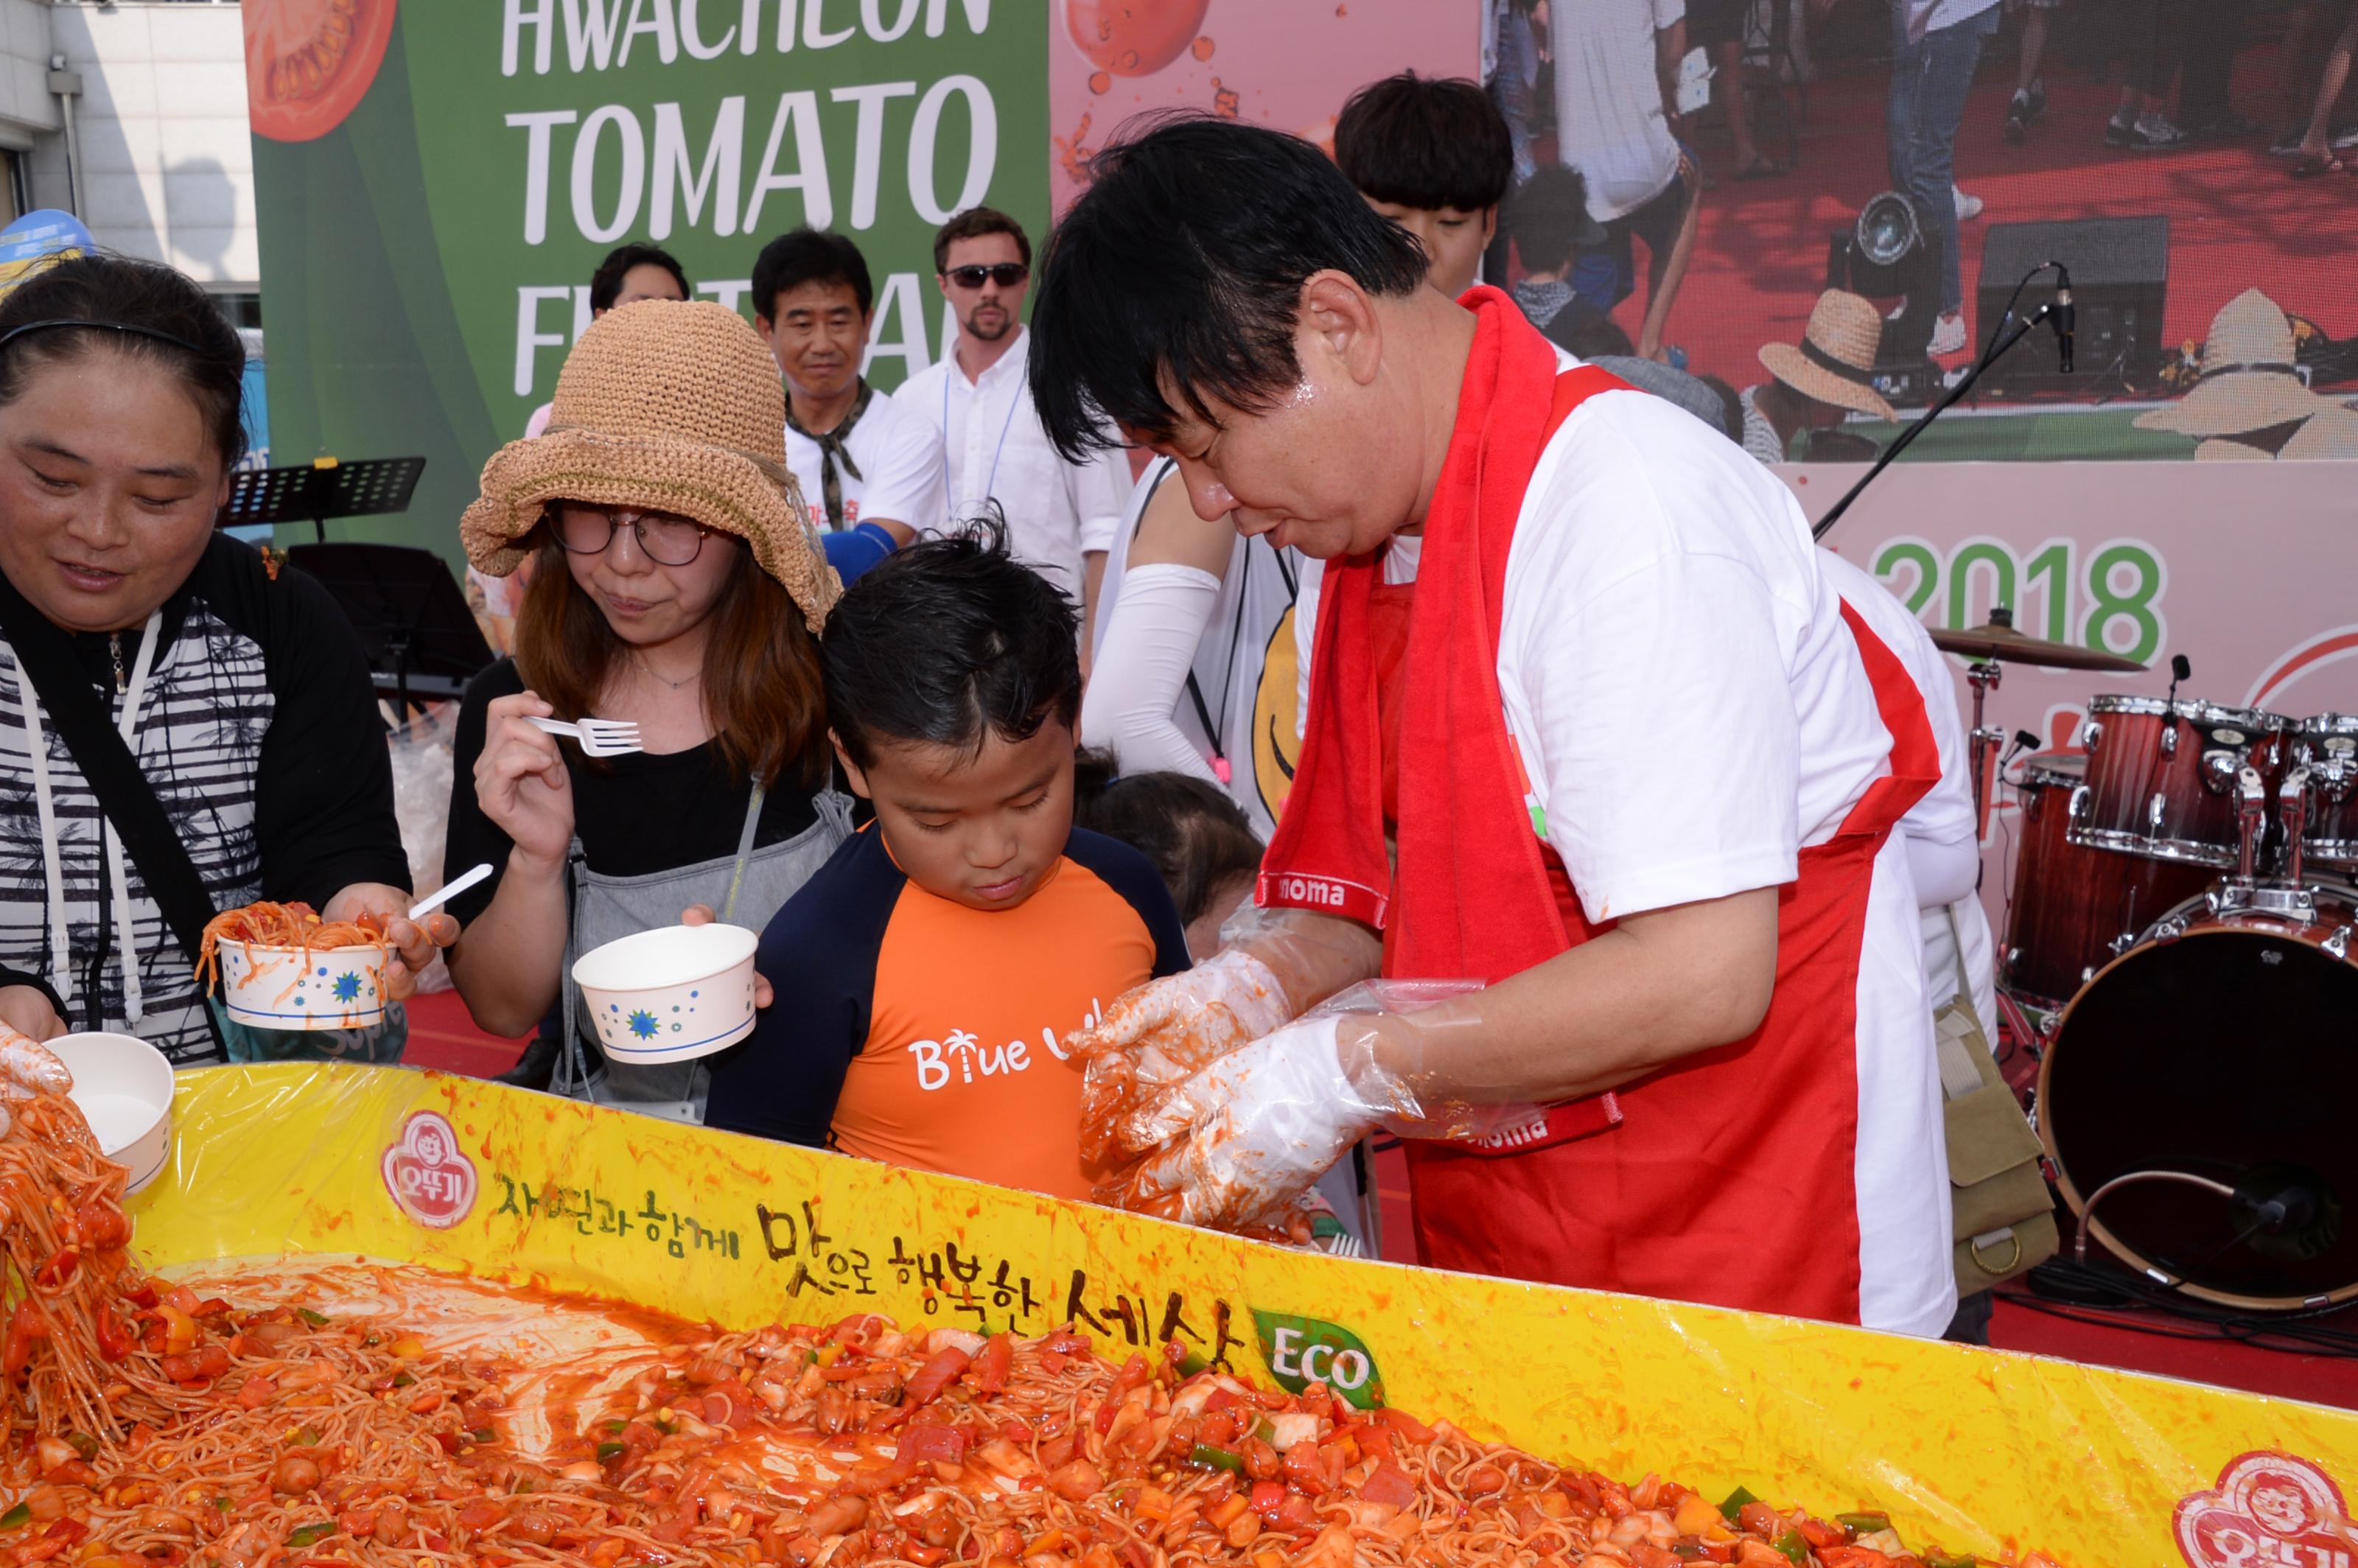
x=2004, y=1216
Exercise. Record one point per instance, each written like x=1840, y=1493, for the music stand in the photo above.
x=412, y=618
x=320, y=489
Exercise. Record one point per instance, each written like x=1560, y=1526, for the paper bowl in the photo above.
x=670, y=995
x=124, y=1086
x=288, y=988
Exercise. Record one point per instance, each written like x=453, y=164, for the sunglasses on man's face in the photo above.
x=1007, y=275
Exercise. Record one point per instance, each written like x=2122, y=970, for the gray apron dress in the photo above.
x=744, y=888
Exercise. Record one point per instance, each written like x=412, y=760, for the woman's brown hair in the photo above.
x=761, y=689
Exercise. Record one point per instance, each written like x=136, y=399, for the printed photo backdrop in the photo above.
x=2160, y=243
x=434, y=188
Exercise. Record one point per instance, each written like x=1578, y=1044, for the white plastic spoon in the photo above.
x=432, y=902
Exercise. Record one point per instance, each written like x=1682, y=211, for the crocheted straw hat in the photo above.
x=1835, y=362
x=675, y=407
x=2249, y=381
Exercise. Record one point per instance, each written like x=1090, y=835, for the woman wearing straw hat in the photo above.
x=675, y=586
x=2250, y=390
x=1819, y=383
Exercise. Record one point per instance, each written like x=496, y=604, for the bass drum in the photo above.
x=2196, y=1095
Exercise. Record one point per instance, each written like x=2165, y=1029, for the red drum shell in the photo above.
x=2327, y=746
x=2071, y=904
x=2161, y=776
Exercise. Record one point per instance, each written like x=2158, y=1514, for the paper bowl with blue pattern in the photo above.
x=295, y=988
x=671, y=994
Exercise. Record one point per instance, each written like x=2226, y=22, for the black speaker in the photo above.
x=2120, y=276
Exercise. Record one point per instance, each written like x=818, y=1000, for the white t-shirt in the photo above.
x=1692, y=712
x=1232, y=660
x=1610, y=123
x=994, y=448
x=899, y=454
x=1944, y=848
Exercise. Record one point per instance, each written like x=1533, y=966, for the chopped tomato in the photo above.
x=115, y=1339
x=1296, y=1513
x=59, y=1270
x=936, y=1375
x=1853, y=1557
x=1818, y=1534
x=1222, y=1398
x=1268, y=1497
x=872, y=1479
x=1015, y=1431
x=1389, y=1485
x=1064, y=1342
x=144, y=1295
x=1407, y=1425
x=931, y=1440
x=731, y=1404
x=1134, y=1372
x=25, y=1325
x=996, y=1362
x=480, y=1514
x=101, y=1226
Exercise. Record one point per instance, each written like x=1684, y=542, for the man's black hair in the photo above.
x=947, y=642
x=810, y=255
x=606, y=283
x=1182, y=266
x=1427, y=142
x=1547, y=216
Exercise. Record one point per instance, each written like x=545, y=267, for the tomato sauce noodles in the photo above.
x=154, y=1426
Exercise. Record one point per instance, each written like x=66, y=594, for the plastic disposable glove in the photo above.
x=28, y=1068
x=1160, y=1034
x=1248, y=1133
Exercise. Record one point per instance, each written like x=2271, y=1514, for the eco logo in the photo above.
x=427, y=1176
x=2267, y=1509
x=1305, y=1350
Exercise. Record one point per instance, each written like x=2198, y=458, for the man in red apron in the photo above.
x=1585, y=726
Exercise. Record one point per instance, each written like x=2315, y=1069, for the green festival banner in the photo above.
x=435, y=181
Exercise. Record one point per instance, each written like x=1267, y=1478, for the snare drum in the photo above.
x=2327, y=746
x=2204, y=1074
x=2161, y=776
x=2072, y=907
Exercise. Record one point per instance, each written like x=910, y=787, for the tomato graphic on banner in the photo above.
x=427, y=1175
x=2267, y=1509
x=309, y=62
x=1134, y=38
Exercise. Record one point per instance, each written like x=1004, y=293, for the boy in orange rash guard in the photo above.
x=927, y=975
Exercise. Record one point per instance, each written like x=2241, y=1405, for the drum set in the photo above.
x=2181, y=917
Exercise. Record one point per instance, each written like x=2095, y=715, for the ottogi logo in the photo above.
x=429, y=1178
x=2270, y=1510
x=1305, y=1350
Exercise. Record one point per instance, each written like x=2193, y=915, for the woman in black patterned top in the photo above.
x=244, y=698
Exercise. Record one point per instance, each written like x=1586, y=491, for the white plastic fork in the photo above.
x=599, y=737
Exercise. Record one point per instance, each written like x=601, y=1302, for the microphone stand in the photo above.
x=1997, y=351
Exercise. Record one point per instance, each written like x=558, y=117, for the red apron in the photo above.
x=1727, y=1177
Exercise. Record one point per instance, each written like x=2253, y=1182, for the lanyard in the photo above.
x=991, y=483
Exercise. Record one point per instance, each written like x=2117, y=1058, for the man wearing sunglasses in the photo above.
x=1061, y=516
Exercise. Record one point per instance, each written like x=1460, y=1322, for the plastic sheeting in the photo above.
x=1972, y=1450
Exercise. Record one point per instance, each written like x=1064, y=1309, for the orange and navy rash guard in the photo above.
x=914, y=1030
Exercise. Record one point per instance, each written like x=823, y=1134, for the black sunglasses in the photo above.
x=1007, y=275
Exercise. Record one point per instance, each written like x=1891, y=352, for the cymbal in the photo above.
x=1999, y=640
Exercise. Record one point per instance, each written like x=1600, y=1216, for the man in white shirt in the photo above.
x=1616, y=63
x=1729, y=942
x=864, y=462
x=1061, y=516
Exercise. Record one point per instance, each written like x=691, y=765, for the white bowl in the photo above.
x=287, y=987
x=672, y=994
x=124, y=1086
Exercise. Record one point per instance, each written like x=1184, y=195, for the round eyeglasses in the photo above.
x=664, y=538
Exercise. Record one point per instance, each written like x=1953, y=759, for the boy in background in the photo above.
x=929, y=973
x=1433, y=156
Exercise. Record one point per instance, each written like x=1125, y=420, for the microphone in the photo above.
x=2064, y=318
x=2178, y=670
